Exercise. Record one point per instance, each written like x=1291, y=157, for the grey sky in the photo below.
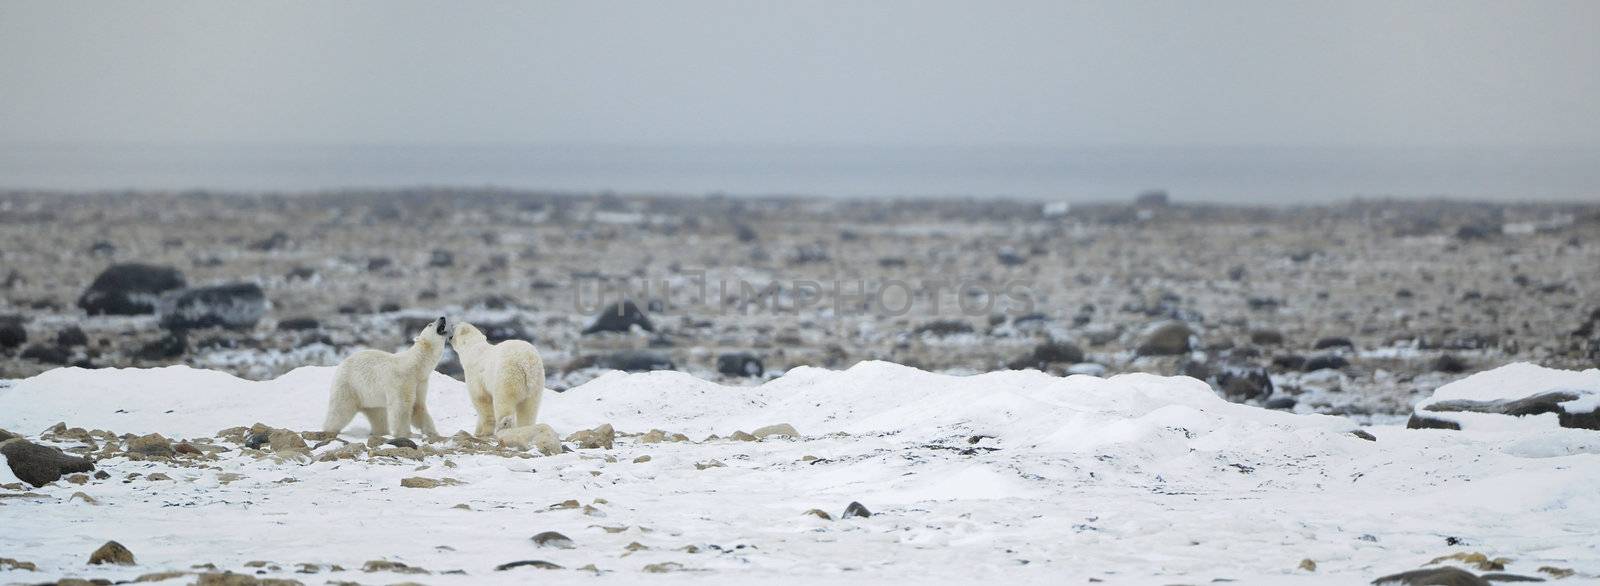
x=880, y=72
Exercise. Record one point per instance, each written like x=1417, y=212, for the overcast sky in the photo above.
x=1375, y=73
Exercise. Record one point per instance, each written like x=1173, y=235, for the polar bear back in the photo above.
x=371, y=375
x=512, y=369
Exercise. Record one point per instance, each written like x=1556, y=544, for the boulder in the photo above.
x=169, y=346
x=603, y=436
x=1049, y=352
x=740, y=364
x=553, y=539
x=111, y=553
x=1442, y=576
x=627, y=360
x=47, y=354
x=1266, y=337
x=71, y=336
x=1165, y=339
x=40, y=465
x=1514, y=391
x=129, y=289
x=855, y=510
x=1239, y=383
x=1333, y=342
x=295, y=324
x=944, y=327
x=620, y=317
x=1324, y=361
x=151, y=446
x=12, y=334
x=232, y=306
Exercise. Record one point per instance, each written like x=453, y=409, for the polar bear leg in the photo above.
x=484, y=405
x=378, y=420
x=341, y=409
x=424, y=421
x=505, y=413
x=527, y=410
x=400, y=415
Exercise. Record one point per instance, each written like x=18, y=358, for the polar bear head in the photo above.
x=434, y=333
x=466, y=334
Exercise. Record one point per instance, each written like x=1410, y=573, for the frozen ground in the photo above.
x=1016, y=476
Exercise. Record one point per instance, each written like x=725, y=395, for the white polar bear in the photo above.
x=390, y=389
x=505, y=380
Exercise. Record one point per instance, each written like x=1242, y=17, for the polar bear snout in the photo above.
x=439, y=329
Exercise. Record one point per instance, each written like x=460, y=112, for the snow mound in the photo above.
x=1517, y=396
x=1024, y=409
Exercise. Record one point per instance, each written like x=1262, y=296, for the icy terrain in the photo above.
x=1017, y=476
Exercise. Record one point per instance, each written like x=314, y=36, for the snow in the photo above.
x=1014, y=475
x=1516, y=381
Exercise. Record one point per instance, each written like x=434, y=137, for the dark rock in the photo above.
x=401, y=442
x=1289, y=361
x=1363, y=434
x=1281, y=403
x=1322, y=361
x=1266, y=337
x=1472, y=232
x=498, y=332
x=740, y=364
x=1333, y=342
x=944, y=327
x=620, y=317
x=745, y=233
x=1539, y=404
x=300, y=274
x=12, y=334
x=1056, y=352
x=629, y=360
x=1242, y=383
x=1167, y=339
x=256, y=440
x=298, y=324
x=1010, y=257
x=232, y=306
x=540, y=564
x=1152, y=198
x=102, y=248
x=553, y=539
x=388, y=307
x=5, y=435
x=441, y=258
x=855, y=510
x=169, y=346
x=276, y=241
x=378, y=263
x=72, y=336
x=47, y=354
x=1420, y=421
x=151, y=446
x=129, y=289
x=111, y=553
x=1449, y=363
x=1263, y=303
x=40, y=465
x=1442, y=576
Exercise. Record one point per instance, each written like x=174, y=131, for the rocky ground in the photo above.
x=1357, y=309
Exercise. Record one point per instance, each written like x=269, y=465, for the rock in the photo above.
x=855, y=510
x=620, y=317
x=40, y=465
x=1449, y=363
x=709, y=464
x=388, y=566
x=172, y=345
x=151, y=446
x=157, y=477
x=1324, y=361
x=1266, y=337
x=12, y=334
x=71, y=336
x=1289, y=362
x=1333, y=342
x=600, y=437
x=46, y=354
x=1542, y=403
x=401, y=442
x=944, y=327
x=540, y=564
x=283, y=440
x=553, y=539
x=1364, y=434
x=232, y=579
x=1243, y=383
x=1308, y=565
x=633, y=361
x=782, y=429
x=419, y=482
x=441, y=258
x=641, y=459
x=1281, y=403
x=296, y=324
x=276, y=241
x=740, y=364
x=11, y=564
x=129, y=289
x=1420, y=421
x=5, y=435
x=111, y=553
x=1049, y=352
x=255, y=440
x=820, y=514
x=80, y=495
x=232, y=306
x=1009, y=256
x=1445, y=576
x=663, y=568
x=1165, y=339
x=743, y=437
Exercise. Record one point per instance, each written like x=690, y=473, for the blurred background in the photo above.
x=1321, y=207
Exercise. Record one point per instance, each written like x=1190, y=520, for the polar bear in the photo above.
x=390, y=389
x=505, y=380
